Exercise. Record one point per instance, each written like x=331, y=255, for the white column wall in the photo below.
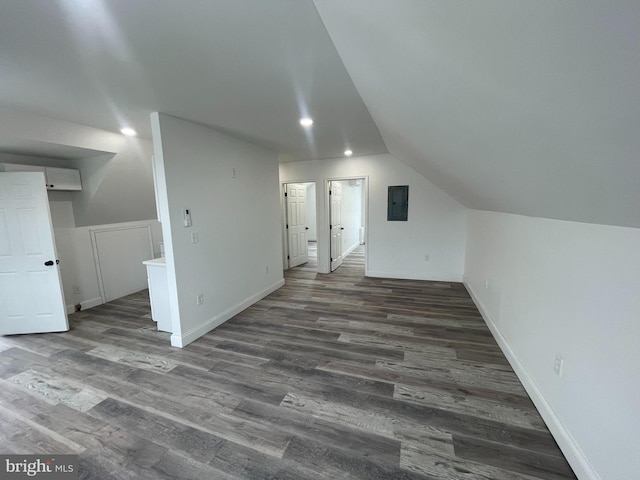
x=231, y=188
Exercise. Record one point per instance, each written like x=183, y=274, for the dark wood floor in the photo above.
x=331, y=377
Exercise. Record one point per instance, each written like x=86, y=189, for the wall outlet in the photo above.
x=558, y=364
x=233, y=173
x=486, y=283
x=266, y=269
x=426, y=258
x=76, y=290
x=194, y=237
x=200, y=299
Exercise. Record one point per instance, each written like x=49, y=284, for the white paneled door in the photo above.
x=296, y=195
x=335, y=223
x=31, y=298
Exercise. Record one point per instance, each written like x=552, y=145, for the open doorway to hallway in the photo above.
x=347, y=220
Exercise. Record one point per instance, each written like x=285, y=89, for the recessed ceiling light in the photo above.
x=306, y=122
x=348, y=153
x=129, y=132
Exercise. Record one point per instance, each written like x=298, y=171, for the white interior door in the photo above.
x=335, y=223
x=296, y=194
x=31, y=298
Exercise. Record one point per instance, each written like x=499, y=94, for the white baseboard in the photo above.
x=94, y=302
x=195, y=333
x=350, y=249
x=572, y=451
x=435, y=277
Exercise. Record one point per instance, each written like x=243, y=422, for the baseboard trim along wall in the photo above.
x=350, y=249
x=434, y=277
x=195, y=333
x=572, y=451
x=94, y=302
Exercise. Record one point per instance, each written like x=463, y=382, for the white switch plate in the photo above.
x=558, y=364
x=194, y=237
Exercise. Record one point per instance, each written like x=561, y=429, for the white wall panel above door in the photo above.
x=119, y=253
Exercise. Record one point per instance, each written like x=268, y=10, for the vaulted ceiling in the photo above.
x=252, y=68
x=527, y=107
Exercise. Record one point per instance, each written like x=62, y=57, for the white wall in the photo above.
x=230, y=265
x=436, y=225
x=117, y=177
x=116, y=187
x=574, y=289
x=77, y=265
x=312, y=233
x=117, y=190
x=61, y=208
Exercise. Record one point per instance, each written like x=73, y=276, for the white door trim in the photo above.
x=283, y=218
x=296, y=227
x=326, y=267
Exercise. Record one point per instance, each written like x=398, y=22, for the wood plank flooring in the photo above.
x=331, y=377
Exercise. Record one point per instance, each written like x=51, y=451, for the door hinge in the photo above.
x=329, y=192
x=288, y=257
x=285, y=194
x=287, y=226
x=330, y=227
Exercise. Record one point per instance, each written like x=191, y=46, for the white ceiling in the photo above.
x=521, y=106
x=528, y=107
x=248, y=67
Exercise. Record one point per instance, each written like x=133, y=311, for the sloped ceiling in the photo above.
x=527, y=107
x=522, y=106
x=251, y=68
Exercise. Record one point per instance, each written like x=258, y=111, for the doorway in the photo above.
x=347, y=219
x=300, y=224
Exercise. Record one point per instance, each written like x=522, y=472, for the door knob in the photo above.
x=306, y=228
x=48, y=263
